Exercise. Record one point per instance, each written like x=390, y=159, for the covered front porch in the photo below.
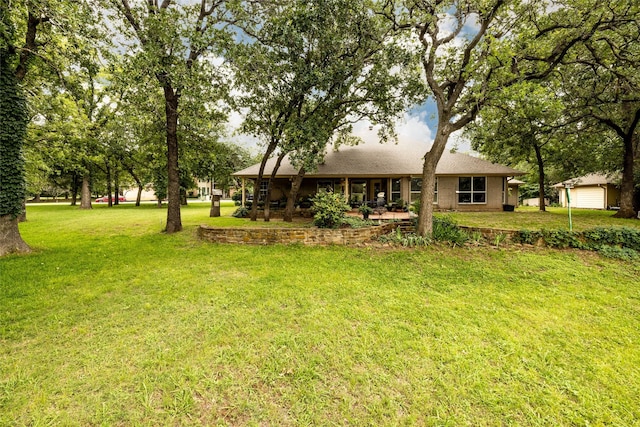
x=391, y=192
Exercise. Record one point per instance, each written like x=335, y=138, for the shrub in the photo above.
x=328, y=209
x=445, y=229
x=241, y=212
x=527, y=237
x=616, y=252
x=562, y=239
x=415, y=207
x=356, y=222
x=625, y=237
x=237, y=198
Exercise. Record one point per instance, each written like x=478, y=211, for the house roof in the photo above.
x=591, y=179
x=385, y=160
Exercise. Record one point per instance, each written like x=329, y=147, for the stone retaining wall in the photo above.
x=490, y=233
x=306, y=236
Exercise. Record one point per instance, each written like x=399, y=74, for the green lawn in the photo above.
x=553, y=219
x=111, y=322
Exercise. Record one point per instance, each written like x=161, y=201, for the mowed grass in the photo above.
x=111, y=322
x=531, y=218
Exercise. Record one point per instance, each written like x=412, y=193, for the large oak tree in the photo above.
x=174, y=42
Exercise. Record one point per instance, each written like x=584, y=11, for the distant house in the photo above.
x=593, y=191
x=363, y=172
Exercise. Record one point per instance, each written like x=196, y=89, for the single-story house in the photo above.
x=593, y=191
x=363, y=172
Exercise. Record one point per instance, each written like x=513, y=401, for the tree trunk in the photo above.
x=85, y=198
x=23, y=214
x=109, y=189
x=431, y=159
x=139, y=195
x=10, y=239
x=627, y=184
x=174, y=221
x=183, y=197
x=293, y=195
x=256, y=186
x=272, y=177
x=116, y=187
x=541, y=179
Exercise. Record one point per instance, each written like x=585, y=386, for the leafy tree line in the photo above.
x=140, y=91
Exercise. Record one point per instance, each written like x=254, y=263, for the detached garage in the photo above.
x=594, y=191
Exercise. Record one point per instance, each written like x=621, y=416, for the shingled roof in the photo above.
x=591, y=179
x=385, y=160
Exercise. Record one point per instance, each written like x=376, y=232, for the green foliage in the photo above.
x=13, y=120
x=412, y=240
x=415, y=207
x=356, y=222
x=445, y=229
x=616, y=252
x=625, y=237
x=527, y=237
x=365, y=209
x=329, y=209
x=241, y=212
x=409, y=240
x=618, y=242
x=562, y=239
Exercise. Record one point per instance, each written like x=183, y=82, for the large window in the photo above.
x=264, y=185
x=395, y=190
x=472, y=189
x=416, y=187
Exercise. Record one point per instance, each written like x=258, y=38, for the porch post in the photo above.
x=346, y=188
x=243, y=193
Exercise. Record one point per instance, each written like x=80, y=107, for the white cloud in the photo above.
x=411, y=129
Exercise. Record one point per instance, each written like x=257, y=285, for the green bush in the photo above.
x=616, y=252
x=563, y=239
x=625, y=237
x=445, y=229
x=356, y=222
x=241, y=212
x=527, y=237
x=328, y=209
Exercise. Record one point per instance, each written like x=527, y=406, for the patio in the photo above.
x=383, y=215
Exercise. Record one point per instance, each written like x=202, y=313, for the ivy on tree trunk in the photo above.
x=14, y=119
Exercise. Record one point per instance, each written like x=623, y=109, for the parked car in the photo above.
x=105, y=199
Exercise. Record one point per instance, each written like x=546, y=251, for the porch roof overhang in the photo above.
x=383, y=161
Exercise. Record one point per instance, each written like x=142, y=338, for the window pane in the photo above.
x=479, y=183
x=325, y=186
x=416, y=185
x=395, y=186
x=464, y=183
x=478, y=197
x=464, y=197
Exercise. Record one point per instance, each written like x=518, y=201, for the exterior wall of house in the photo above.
x=447, y=191
x=448, y=195
x=513, y=196
x=592, y=197
x=613, y=195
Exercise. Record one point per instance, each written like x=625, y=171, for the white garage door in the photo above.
x=588, y=197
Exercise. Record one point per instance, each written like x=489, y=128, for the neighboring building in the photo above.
x=593, y=191
x=514, y=191
x=363, y=171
